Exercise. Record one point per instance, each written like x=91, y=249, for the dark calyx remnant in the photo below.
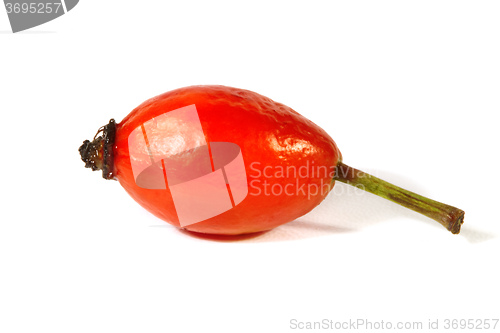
x=98, y=154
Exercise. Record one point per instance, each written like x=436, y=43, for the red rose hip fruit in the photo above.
x=222, y=160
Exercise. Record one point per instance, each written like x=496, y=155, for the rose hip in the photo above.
x=222, y=160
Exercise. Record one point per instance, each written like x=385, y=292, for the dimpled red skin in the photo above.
x=268, y=133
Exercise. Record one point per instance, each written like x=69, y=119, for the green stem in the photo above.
x=450, y=217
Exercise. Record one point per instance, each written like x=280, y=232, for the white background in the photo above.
x=409, y=90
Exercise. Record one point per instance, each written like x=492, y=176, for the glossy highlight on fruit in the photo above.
x=228, y=161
